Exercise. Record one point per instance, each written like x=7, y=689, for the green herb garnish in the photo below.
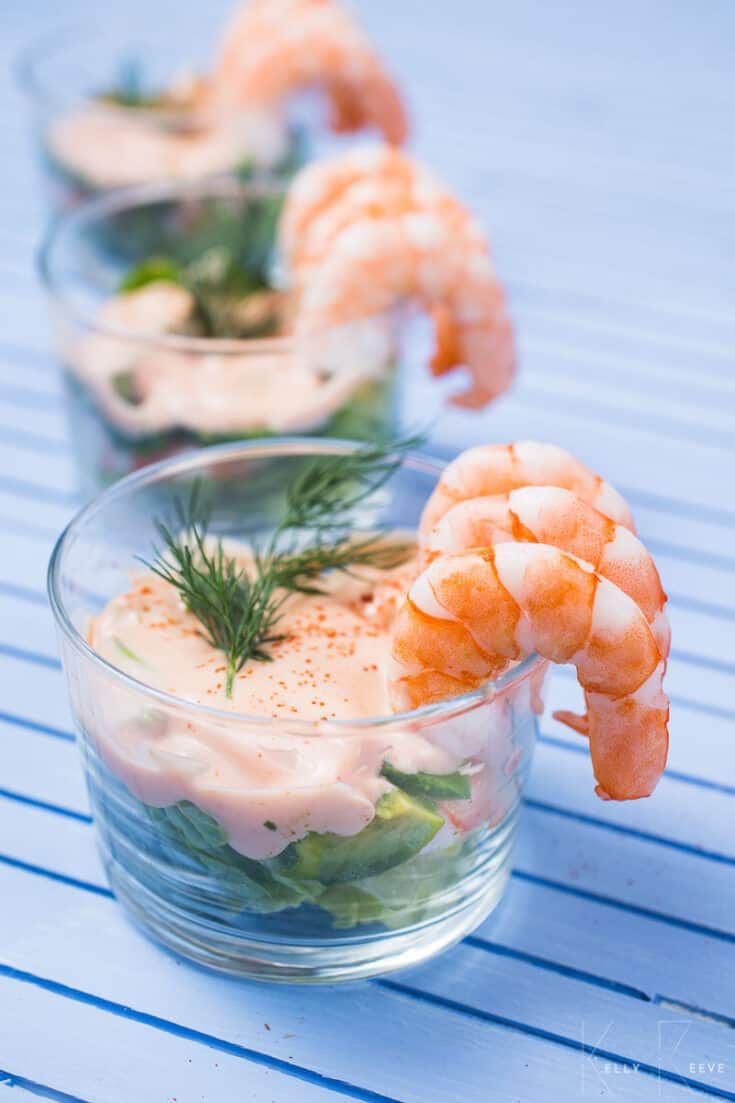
x=126, y=651
x=238, y=610
x=130, y=87
x=455, y=786
x=224, y=295
x=150, y=271
x=223, y=259
x=325, y=494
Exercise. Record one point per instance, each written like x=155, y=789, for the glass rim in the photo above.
x=276, y=446
x=30, y=58
x=221, y=185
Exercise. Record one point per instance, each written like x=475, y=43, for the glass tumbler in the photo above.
x=213, y=863
x=90, y=141
x=134, y=395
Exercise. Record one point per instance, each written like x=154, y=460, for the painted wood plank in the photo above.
x=605, y=445
x=490, y=990
x=25, y=558
x=700, y=740
x=45, y=420
x=682, y=961
x=36, y=513
x=11, y=1092
x=127, y=1056
x=33, y=456
x=635, y=872
x=602, y=167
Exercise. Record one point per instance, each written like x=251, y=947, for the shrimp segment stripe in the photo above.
x=499, y=468
x=552, y=515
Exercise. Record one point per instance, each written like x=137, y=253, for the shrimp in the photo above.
x=499, y=468
x=468, y=615
x=368, y=182
x=362, y=231
x=321, y=188
x=377, y=262
x=550, y=515
x=273, y=47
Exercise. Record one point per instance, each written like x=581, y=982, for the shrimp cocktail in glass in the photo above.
x=307, y=677
x=111, y=115
x=192, y=314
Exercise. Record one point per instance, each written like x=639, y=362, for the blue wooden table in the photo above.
x=597, y=143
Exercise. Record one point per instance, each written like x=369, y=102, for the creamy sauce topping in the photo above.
x=110, y=146
x=277, y=387
x=268, y=785
x=331, y=663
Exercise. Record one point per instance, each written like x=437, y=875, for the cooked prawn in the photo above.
x=273, y=47
x=551, y=515
x=499, y=468
x=468, y=615
x=416, y=254
x=376, y=185
x=321, y=188
x=368, y=182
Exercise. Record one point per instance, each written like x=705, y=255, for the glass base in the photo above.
x=349, y=958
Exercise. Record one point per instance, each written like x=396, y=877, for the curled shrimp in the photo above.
x=360, y=241
x=324, y=193
x=330, y=195
x=499, y=468
x=370, y=181
x=273, y=47
x=551, y=515
x=468, y=615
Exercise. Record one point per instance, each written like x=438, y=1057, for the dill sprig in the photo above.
x=299, y=571
x=236, y=612
x=328, y=490
x=237, y=609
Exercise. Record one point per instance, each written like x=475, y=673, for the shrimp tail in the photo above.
x=447, y=346
x=275, y=48
x=573, y=720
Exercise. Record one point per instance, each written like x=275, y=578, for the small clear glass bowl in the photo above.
x=320, y=906
x=88, y=146
x=137, y=396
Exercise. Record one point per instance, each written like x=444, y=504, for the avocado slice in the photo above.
x=402, y=826
x=151, y=270
x=454, y=786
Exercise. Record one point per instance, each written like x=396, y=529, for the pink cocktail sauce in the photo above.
x=269, y=384
x=250, y=774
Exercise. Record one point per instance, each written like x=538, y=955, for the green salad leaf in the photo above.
x=130, y=89
x=247, y=884
x=401, y=827
x=223, y=260
x=454, y=786
x=149, y=271
x=408, y=893
x=382, y=874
